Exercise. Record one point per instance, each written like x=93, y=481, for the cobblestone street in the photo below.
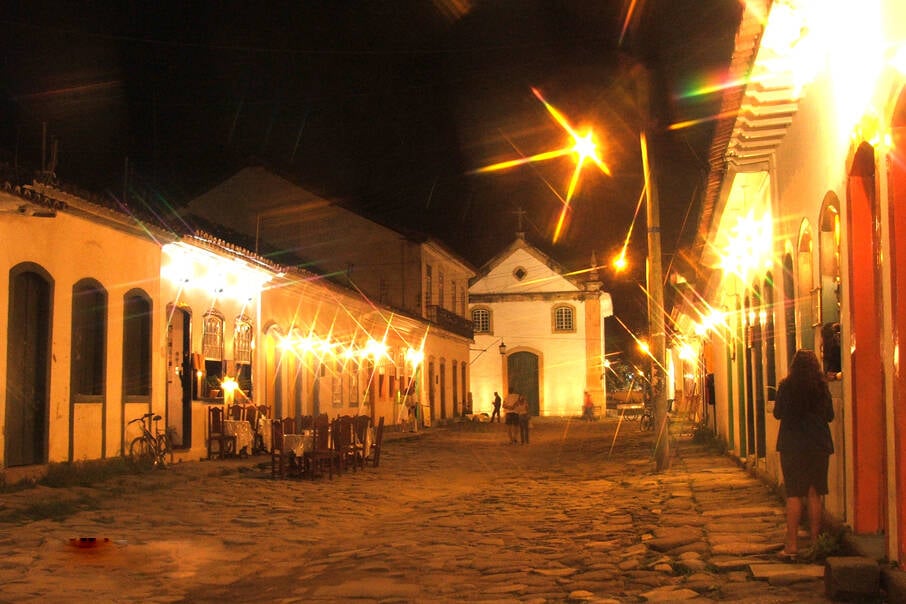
x=451, y=514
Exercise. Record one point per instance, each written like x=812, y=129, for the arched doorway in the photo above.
x=805, y=289
x=897, y=202
x=750, y=363
x=443, y=389
x=522, y=378
x=867, y=381
x=830, y=283
x=182, y=369
x=28, y=365
x=770, y=351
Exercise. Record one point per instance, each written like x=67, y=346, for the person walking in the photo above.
x=522, y=409
x=804, y=408
x=496, y=412
x=511, y=417
x=412, y=407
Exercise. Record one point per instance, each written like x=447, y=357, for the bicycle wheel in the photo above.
x=164, y=450
x=141, y=452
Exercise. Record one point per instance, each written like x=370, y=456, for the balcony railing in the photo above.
x=450, y=321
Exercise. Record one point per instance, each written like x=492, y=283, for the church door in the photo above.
x=522, y=371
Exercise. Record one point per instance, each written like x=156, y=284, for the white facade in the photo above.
x=105, y=318
x=800, y=229
x=552, y=328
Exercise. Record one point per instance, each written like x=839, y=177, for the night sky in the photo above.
x=386, y=107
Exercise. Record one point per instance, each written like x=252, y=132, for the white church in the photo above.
x=539, y=332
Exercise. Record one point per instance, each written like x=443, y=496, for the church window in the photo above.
x=481, y=320
x=520, y=273
x=564, y=318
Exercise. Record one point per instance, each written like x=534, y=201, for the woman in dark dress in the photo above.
x=805, y=409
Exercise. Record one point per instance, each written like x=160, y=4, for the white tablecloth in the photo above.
x=298, y=443
x=266, y=430
x=242, y=430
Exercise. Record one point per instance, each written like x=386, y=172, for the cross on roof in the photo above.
x=520, y=214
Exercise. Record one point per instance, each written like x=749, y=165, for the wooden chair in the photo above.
x=361, y=424
x=343, y=436
x=235, y=412
x=289, y=425
x=322, y=454
x=278, y=458
x=308, y=422
x=251, y=416
x=375, y=453
x=226, y=445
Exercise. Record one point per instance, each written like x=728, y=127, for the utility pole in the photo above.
x=656, y=335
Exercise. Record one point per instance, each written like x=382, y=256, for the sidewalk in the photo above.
x=453, y=513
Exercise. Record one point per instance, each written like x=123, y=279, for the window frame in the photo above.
x=138, y=332
x=556, y=311
x=88, y=348
x=213, y=362
x=489, y=313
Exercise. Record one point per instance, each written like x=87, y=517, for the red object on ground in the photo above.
x=86, y=542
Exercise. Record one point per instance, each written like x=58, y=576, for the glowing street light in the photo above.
x=583, y=146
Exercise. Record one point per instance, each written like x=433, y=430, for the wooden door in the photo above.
x=28, y=368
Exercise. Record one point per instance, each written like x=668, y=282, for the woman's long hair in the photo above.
x=806, y=381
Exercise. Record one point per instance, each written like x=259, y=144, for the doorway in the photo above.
x=180, y=375
x=28, y=366
x=522, y=374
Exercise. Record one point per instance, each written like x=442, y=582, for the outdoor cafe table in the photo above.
x=299, y=443
x=266, y=432
x=242, y=430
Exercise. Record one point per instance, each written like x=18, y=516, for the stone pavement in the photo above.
x=451, y=514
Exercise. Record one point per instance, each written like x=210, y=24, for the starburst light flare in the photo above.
x=583, y=147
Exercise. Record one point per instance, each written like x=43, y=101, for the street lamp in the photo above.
x=502, y=348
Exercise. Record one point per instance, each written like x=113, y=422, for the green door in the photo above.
x=522, y=369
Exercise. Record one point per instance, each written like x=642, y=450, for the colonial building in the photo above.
x=799, y=245
x=108, y=315
x=539, y=332
x=406, y=273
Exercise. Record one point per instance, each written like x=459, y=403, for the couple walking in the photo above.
x=517, y=418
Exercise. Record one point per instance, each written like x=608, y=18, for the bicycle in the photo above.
x=150, y=449
x=646, y=419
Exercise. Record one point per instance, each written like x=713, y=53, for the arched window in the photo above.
x=136, y=344
x=89, y=338
x=242, y=354
x=564, y=318
x=212, y=345
x=481, y=320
